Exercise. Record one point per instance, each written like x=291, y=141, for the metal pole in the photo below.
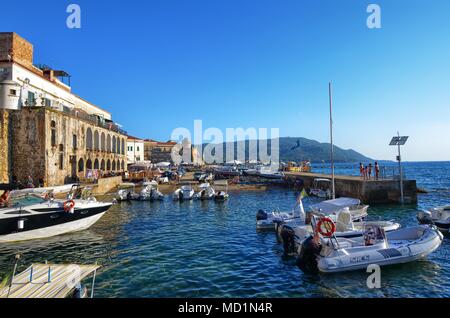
x=400, y=172
x=333, y=194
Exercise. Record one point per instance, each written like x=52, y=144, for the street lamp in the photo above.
x=399, y=141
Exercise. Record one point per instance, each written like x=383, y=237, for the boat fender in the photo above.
x=288, y=237
x=69, y=206
x=261, y=215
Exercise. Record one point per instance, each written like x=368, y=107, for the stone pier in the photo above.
x=368, y=191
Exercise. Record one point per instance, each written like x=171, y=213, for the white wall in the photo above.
x=42, y=87
x=135, y=151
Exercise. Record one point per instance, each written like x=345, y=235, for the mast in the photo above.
x=333, y=194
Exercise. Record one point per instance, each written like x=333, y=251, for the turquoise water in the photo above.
x=208, y=249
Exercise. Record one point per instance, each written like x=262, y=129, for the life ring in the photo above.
x=69, y=205
x=329, y=226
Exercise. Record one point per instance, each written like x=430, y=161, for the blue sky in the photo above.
x=158, y=65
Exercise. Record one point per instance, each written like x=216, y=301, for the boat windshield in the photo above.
x=25, y=200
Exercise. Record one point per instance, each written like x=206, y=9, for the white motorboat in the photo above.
x=33, y=216
x=206, y=192
x=292, y=233
x=183, y=193
x=269, y=220
x=439, y=216
x=321, y=188
x=150, y=192
x=340, y=254
x=126, y=192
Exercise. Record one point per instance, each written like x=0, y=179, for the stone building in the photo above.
x=46, y=131
x=156, y=151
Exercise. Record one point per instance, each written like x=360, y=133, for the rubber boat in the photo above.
x=183, y=193
x=150, y=192
x=376, y=247
x=34, y=216
x=206, y=192
x=292, y=234
x=439, y=216
x=272, y=220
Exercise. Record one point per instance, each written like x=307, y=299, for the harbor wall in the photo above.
x=106, y=185
x=368, y=191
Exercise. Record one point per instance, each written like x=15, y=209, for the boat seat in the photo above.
x=344, y=221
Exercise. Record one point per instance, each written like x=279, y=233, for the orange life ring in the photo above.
x=69, y=205
x=329, y=226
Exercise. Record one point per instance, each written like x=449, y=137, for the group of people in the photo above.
x=366, y=171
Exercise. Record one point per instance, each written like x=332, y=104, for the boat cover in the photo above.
x=334, y=205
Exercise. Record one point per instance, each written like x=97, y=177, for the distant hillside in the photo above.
x=299, y=149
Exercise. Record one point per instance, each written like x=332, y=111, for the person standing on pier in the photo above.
x=377, y=170
x=370, y=171
x=361, y=170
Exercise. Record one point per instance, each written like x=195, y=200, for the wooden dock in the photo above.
x=368, y=191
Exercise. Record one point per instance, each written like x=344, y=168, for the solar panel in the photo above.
x=398, y=141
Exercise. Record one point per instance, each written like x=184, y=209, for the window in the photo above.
x=31, y=99
x=48, y=102
x=53, y=133
x=137, y=148
x=74, y=142
x=12, y=92
x=61, y=161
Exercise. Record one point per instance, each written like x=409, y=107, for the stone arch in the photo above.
x=108, y=165
x=103, y=141
x=108, y=143
x=113, y=168
x=96, y=141
x=102, y=165
x=96, y=164
x=123, y=165
x=81, y=165
x=123, y=146
x=89, y=164
x=89, y=139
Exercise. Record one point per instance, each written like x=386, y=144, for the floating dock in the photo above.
x=47, y=281
x=368, y=191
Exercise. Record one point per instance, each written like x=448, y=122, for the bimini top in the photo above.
x=47, y=281
x=334, y=205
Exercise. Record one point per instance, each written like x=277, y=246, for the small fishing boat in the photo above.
x=269, y=220
x=321, y=188
x=184, y=193
x=439, y=216
x=377, y=247
x=150, y=192
x=206, y=192
x=35, y=216
x=126, y=192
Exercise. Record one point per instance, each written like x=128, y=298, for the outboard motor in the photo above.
x=288, y=236
x=425, y=217
x=261, y=215
x=307, y=259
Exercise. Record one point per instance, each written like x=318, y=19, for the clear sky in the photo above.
x=158, y=65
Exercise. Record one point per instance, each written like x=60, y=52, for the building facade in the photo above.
x=135, y=150
x=156, y=151
x=47, y=132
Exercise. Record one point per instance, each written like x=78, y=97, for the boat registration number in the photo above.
x=359, y=259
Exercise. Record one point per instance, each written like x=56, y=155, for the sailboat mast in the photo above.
x=333, y=195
